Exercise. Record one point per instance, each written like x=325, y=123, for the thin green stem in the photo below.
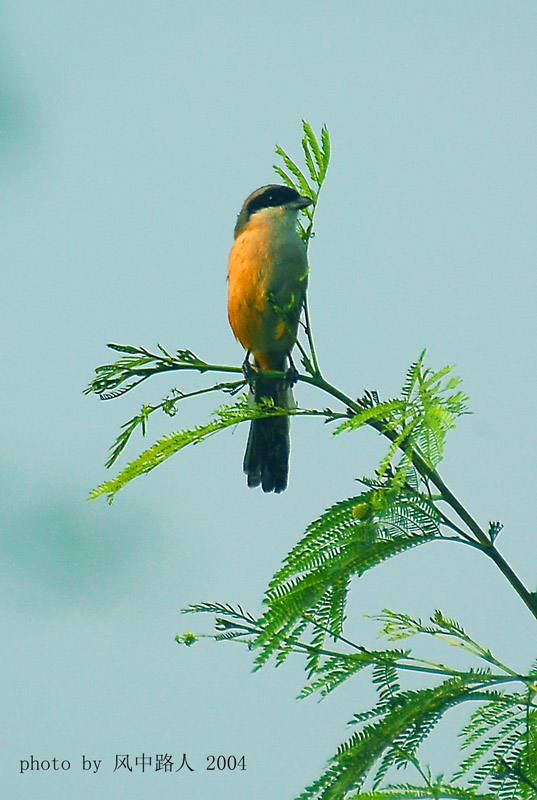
x=309, y=334
x=307, y=326
x=417, y=665
x=476, y=650
x=416, y=764
x=450, y=524
x=217, y=387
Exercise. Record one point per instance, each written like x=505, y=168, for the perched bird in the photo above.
x=268, y=275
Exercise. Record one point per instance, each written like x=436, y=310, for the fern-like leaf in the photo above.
x=408, y=718
x=314, y=578
x=170, y=444
x=409, y=791
x=419, y=419
x=501, y=737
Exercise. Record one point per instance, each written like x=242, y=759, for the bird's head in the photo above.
x=272, y=200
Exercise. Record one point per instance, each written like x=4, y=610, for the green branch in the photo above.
x=249, y=627
x=112, y=380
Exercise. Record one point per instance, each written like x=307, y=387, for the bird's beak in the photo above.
x=301, y=202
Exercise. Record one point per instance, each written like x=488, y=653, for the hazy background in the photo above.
x=130, y=134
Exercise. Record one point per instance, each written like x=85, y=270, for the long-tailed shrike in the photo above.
x=268, y=274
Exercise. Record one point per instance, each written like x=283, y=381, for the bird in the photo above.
x=268, y=276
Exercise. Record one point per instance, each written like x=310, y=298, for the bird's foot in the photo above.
x=249, y=371
x=291, y=376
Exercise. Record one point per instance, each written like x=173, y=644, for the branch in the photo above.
x=250, y=627
x=111, y=381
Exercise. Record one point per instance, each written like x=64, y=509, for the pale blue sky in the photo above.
x=131, y=133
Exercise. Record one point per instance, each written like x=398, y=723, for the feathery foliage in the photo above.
x=409, y=791
x=501, y=733
x=400, y=724
x=224, y=417
x=420, y=418
x=317, y=157
x=502, y=739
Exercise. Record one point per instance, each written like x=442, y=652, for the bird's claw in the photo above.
x=291, y=376
x=249, y=371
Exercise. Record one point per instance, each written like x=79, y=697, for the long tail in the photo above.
x=266, y=460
